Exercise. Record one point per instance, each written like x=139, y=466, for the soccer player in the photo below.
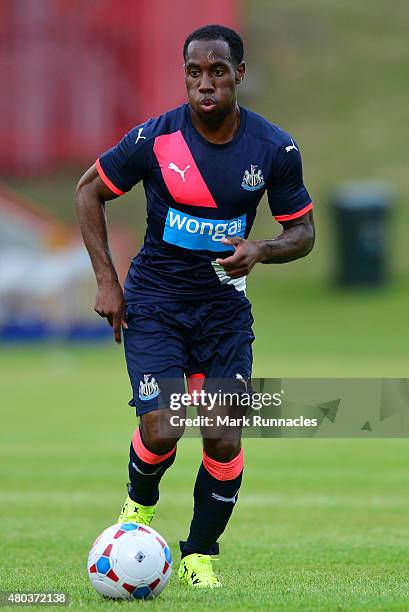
x=205, y=167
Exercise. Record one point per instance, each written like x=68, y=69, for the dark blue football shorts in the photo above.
x=167, y=341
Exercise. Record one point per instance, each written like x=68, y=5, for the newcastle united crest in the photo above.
x=253, y=179
x=148, y=388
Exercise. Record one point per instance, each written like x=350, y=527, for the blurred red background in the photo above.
x=86, y=85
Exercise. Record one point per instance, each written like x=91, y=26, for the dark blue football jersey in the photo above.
x=198, y=193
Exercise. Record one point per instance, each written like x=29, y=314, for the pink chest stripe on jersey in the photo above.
x=180, y=173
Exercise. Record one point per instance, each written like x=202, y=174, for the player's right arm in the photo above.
x=91, y=195
x=113, y=174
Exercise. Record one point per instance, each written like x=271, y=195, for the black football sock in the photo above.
x=146, y=470
x=215, y=495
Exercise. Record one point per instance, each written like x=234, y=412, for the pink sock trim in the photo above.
x=145, y=454
x=224, y=471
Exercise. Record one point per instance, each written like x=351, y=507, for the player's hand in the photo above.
x=243, y=259
x=110, y=304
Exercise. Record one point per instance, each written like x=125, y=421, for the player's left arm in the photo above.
x=291, y=206
x=295, y=241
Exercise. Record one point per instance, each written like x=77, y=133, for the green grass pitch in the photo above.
x=320, y=524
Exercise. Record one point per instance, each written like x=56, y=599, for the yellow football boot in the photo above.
x=132, y=512
x=196, y=571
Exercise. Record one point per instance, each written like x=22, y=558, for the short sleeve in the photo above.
x=127, y=163
x=287, y=195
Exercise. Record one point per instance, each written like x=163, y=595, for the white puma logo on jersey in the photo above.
x=139, y=137
x=174, y=167
x=291, y=147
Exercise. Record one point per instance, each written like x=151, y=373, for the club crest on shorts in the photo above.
x=253, y=179
x=148, y=389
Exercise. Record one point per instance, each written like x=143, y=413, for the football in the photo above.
x=129, y=561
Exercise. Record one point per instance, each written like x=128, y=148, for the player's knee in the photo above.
x=157, y=434
x=156, y=442
x=222, y=449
